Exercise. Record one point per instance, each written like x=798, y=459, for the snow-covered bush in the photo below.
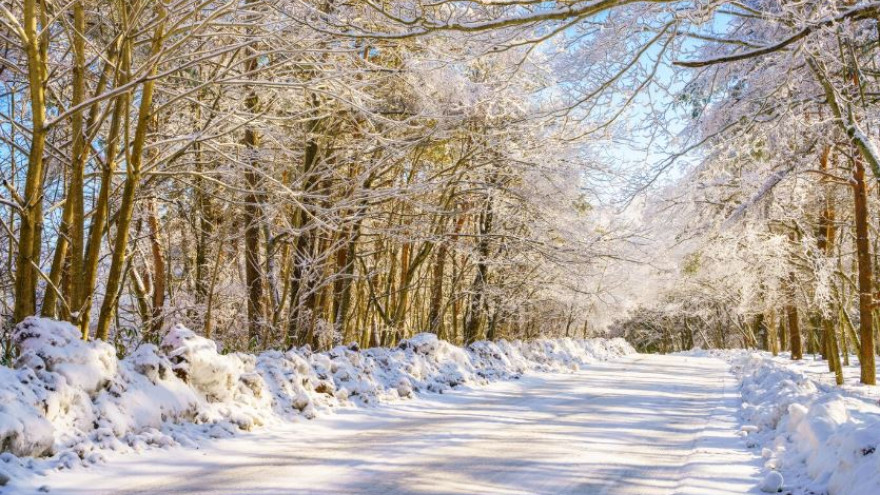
x=830, y=435
x=24, y=429
x=69, y=398
x=195, y=359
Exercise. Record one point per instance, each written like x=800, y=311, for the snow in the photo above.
x=23, y=429
x=679, y=421
x=772, y=483
x=820, y=437
x=70, y=402
x=636, y=425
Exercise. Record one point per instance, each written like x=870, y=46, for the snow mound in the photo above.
x=68, y=399
x=57, y=347
x=772, y=483
x=811, y=429
x=196, y=361
x=24, y=429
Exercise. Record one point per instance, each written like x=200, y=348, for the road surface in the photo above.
x=644, y=425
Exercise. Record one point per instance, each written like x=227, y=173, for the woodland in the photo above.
x=278, y=173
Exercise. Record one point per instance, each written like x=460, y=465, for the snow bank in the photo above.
x=822, y=438
x=67, y=399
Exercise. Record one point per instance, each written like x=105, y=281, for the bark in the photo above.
x=831, y=348
x=159, y=281
x=783, y=336
x=102, y=206
x=478, y=288
x=52, y=298
x=132, y=182
x=303, y=245
x=139, y=288
x=791, y=311
x=253, y=213
x=345, y=267
x=845, y=325
x=253, y=269
x=205, y=221
x=826, y=241
x=794, y=332
x=435, y=319
x=77, y=166
x=271, y=270
x=866, y=282
x=435, y=314
x=31, y=215
x=772, y=333
x=757, y=325
x=399, y=315
x=209, y=296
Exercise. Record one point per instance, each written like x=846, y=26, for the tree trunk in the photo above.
x=478, y=288
x=826, y=241
x=77, y=169
x=303, y=245
x=159, y=281
x=783, y=335
x=209, y=296
x=253, y=268
x=253, y=212
x=866, y=283
x=102, y=204
x=794, y=332
x=132, y=182
x=772, y=334
x=831, y=348
x=32, y=213
x=435, y=318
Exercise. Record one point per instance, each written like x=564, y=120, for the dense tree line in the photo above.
x=778, y=247
x=233, y=166
x=281, y=173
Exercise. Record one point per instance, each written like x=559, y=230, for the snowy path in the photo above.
x=643, y=425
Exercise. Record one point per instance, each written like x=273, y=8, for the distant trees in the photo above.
x=784, y=205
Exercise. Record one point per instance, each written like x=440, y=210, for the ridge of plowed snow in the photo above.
x=639, y=425
x=820, y=437
x=69, y=400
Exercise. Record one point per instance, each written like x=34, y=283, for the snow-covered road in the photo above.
x=643, y=425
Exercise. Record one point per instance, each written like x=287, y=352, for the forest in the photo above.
x=277, y=173
x=253, y=170
x=226, y=215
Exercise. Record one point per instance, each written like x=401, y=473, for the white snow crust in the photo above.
x=822, y=438
x=66, y=401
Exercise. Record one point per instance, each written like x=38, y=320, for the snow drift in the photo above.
x=810, y=429
x=67, y=399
